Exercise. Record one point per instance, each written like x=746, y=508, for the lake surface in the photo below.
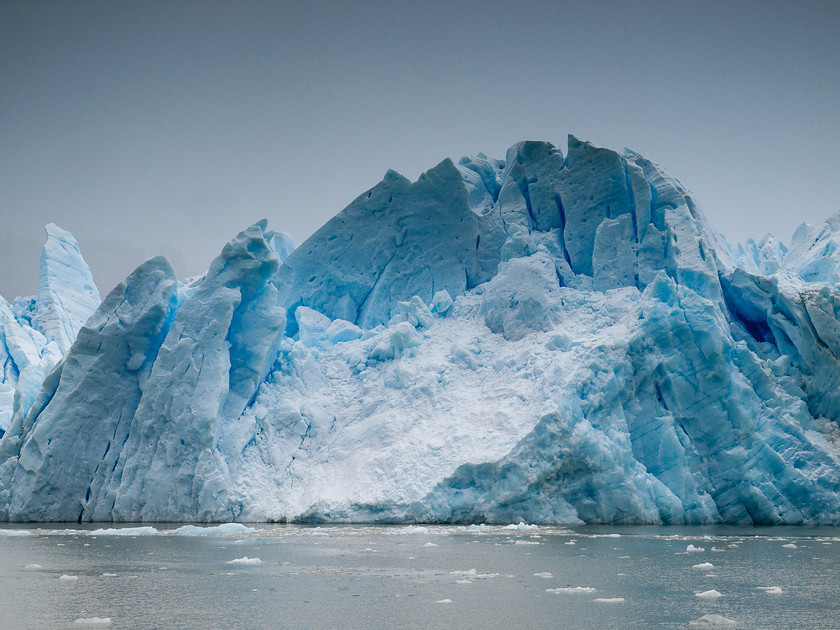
x=286, y=576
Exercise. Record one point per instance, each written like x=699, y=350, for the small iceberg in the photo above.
x=609, y=600
x=713, y=620
x=14, y=532
x=704, y=566
x=570, y=589
x=225, y=529
x=522, y=527
x=245, y=560
x=771, y=590
x=92, y=622
x=692, y=549
x=710, y=595
x=124, y=531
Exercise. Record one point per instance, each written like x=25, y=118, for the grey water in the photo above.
x=287, y=576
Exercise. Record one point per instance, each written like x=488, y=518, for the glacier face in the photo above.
x=544, y=338
x=35, y=332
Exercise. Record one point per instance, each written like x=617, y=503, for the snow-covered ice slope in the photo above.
x=543, y=338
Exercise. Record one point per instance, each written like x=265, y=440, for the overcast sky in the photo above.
x=167, y=127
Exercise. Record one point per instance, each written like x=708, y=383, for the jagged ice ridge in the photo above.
x=544, y=338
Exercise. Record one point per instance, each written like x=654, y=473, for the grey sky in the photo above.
x=166, y=127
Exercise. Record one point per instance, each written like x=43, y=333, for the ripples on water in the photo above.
x=286, y=576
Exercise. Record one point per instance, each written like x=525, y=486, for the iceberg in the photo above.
x=546, y=338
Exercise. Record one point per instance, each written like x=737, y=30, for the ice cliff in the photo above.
x=545, y=338
x=35, y=332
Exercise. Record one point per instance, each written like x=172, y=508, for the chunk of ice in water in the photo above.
x=544, y=574
x=771, y=590
x=790, y=546
x=92, y=622
x=68, y=578
x=711, y=594
x=225, y=529
x=14, y=532
x=33, y=566
x=522, y=527
x=443, y=601
x=713, y=620
x=245, y=560
x=704, y=566
x=570, y=589
x=124, y=531
x=609, y=600
x=692, y=549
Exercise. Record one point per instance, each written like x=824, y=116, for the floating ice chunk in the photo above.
x=522, y=527
x=692, y=549
x=92, y=622
x=414, y=529
x=527, y=542
x=33, y=567
x=790, y=546
x=609, y=600
x=225, y=529
x=245, y=560
x=571, y=542
x=711, y=594
x=109, y=575
x=14, y=532
x=443, y=601
x=463, y=582
x=771, y=590
x=68, y=578
x=704, y=566
x=570, y=589
x=543, y=574
x=713, y=620
x=430, y=544
x=124, y=531
x=469, y=573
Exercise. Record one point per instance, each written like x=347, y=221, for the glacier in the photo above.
x=543, y=338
